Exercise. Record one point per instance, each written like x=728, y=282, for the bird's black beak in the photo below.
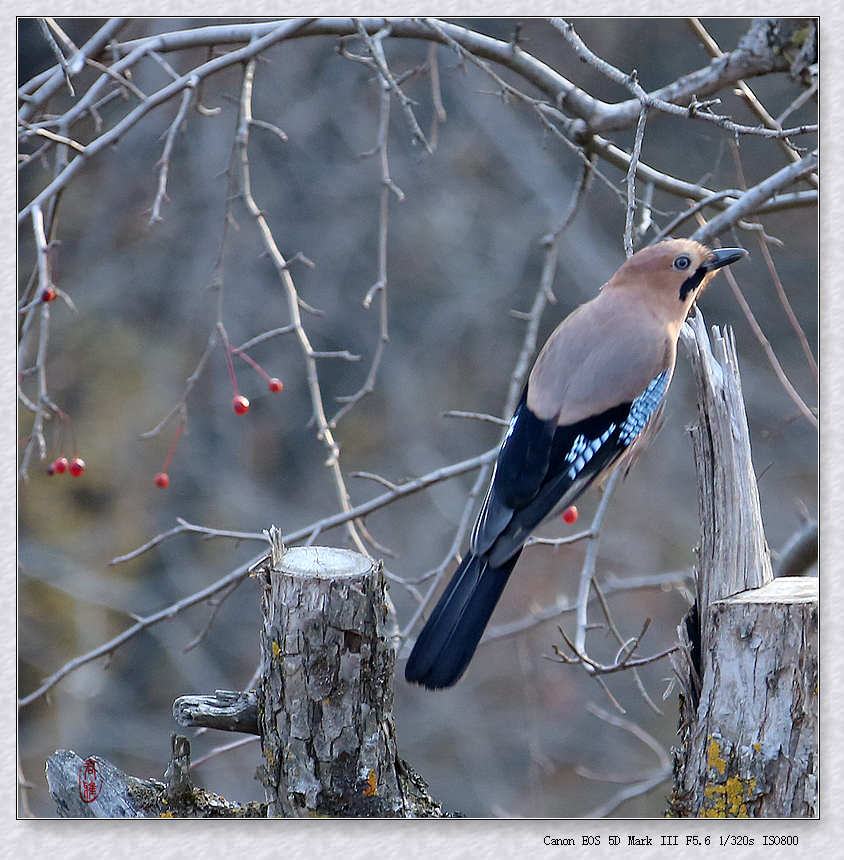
x=723, y=257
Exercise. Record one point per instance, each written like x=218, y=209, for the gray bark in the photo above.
x=326, y=693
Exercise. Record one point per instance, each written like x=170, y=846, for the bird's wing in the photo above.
x=563, y=462
x=520, y=469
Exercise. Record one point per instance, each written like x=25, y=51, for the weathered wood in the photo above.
x=120, y=795
x=733, y=554
x=114, y=794
x=326, y=694
x=225, y=710
x=752, y=749
x=749, y=667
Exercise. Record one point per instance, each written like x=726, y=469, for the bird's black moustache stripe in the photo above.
x=692, y=282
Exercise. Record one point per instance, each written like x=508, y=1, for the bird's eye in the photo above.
x=682, y=262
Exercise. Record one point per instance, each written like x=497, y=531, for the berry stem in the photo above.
x=231, y=370
x=251, y=362
x=273, y=382
x=173, y=446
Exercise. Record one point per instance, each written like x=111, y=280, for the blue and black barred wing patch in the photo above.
x=644, y=407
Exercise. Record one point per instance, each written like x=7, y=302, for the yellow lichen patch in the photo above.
x=714, y=801
x=371, y=787
x=276, y=649
x=714, y=758
x=727, y=800
x=167, y=814
x=798, y=37
x=735, y=796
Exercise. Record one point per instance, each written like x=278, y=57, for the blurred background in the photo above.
x=518, y=735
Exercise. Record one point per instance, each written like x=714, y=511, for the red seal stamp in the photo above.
x=90, y=780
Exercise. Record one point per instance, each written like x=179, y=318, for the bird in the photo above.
x=594, y=389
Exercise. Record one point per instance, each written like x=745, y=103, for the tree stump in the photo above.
x=752, y=750
x=749, y=671
x=326, y=694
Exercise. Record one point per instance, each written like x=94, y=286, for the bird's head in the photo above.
x=675, y=270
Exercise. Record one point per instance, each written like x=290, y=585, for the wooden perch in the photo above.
x=749, y=707
x=733, y=553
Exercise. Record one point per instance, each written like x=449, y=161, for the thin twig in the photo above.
x=621, y=664
x=217, y=604
x=476, y=416
x=387, y=186
x=57, y=51
x=587, y=572
x=222, y=749
x=164, y=162
x=181, y=404
x=769, y=352
x=630, y=215
x=374, y=43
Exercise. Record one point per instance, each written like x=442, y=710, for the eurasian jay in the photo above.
x=596, y=384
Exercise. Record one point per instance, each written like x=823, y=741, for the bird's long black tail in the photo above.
x=449, y=638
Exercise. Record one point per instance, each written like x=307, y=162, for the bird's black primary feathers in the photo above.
x=540, y=467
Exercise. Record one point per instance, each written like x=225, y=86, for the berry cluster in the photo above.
x=240, y=406
x=60, y=465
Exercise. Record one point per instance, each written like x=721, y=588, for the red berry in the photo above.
x=60, y=465
x=276, y=385
x=77, y=466
x=162, y=479
x=569, y=515
x=240, y=405
x=48, y=294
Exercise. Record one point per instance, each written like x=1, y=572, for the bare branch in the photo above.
x=622, y=663
x=324, y=431
x=140, y=625
x=751, y=201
